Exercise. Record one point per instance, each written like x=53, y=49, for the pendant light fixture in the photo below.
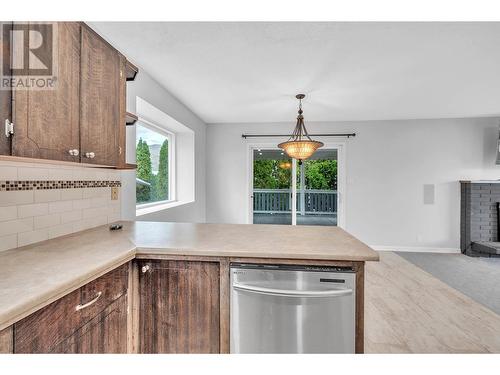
x=300, y=146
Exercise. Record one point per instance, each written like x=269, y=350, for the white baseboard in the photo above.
x=441, y=250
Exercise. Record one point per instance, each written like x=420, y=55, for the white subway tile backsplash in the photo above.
x=47, y=195
x=101, y=174
x=114, y=175
x=38, y=174
x=91, y=222
x=60, y=174
x=8, y=242
x=98, y=202
x=34, y=209
x=84, y=174
x=30, y=216
x=16, y=226
x=46, y=221
x=114, y=206
x=70, y=194
x=94, y=212
x=71, y=216
x=13, y=198
x=27, y=238
x=8, y=213
x=60, y=206
x=8, y=173
x=61, y=230
x=97, y=192
x=81, y=204
x=112, y=217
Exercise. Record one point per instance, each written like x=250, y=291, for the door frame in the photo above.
x=339, y=145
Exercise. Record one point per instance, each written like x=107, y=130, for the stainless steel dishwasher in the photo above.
x=292, y=309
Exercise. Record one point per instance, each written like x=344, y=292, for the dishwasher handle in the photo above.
x=293, y=293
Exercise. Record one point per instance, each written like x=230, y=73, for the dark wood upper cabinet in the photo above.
x=83, y=118
x=122, y=131
x=47, y=121
x=100, y=89
x=179, y=307
x=5, y=95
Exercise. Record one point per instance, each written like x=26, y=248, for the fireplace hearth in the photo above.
x=480, y=218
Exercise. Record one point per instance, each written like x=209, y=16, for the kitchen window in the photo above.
x=155, y=169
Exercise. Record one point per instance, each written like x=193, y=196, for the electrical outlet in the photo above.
x=114, y=193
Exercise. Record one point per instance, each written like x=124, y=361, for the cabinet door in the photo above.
x=47, y=121
x=5, y=95
x=100, y=100
x=179, y=307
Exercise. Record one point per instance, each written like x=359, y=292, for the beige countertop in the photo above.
x=34, y=276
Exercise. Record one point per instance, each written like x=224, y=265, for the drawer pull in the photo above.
x=145, y=268
x=80, y=307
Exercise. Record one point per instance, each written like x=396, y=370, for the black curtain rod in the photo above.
x=348, y=135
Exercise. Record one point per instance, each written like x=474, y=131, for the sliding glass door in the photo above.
x=317, y=189
x=286, y=192
x=272, y=182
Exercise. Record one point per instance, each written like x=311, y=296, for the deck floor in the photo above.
x=286, y=219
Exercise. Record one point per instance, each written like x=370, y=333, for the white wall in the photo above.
x=388, y=162
x=149, y=90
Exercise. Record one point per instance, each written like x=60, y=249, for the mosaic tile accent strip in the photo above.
x=47, y=185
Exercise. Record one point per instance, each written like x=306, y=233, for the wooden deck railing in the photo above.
x=279, y=200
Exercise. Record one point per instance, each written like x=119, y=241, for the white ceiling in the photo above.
x=250, y=72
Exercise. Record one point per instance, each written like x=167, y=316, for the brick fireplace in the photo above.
x=479, y=218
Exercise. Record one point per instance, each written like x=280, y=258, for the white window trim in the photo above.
x=146, y=208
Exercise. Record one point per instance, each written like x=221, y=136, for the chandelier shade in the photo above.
x=300, y=146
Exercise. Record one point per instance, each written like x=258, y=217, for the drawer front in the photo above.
x=45, y=330
x=102, y=292
x=41, y=331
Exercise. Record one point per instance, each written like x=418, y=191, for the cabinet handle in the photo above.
x=90, y=155
x=145, y=268
x=81, y=307
x=74, y=152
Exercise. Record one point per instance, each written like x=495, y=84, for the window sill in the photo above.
x=149, y=208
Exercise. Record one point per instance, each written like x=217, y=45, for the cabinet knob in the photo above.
x=90, y=155
x=74, y=152
x=145, y=268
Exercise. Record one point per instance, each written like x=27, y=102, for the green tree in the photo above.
x=143, y=192
x=319, y=174
x=269, y=175
x=143, y=157
x=161, y=180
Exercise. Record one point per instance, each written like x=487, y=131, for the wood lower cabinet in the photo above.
x=46, y=121
x=105, y=333
x=92, y=319
x=100, y=89
x=179, y=309
x=6, y=341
